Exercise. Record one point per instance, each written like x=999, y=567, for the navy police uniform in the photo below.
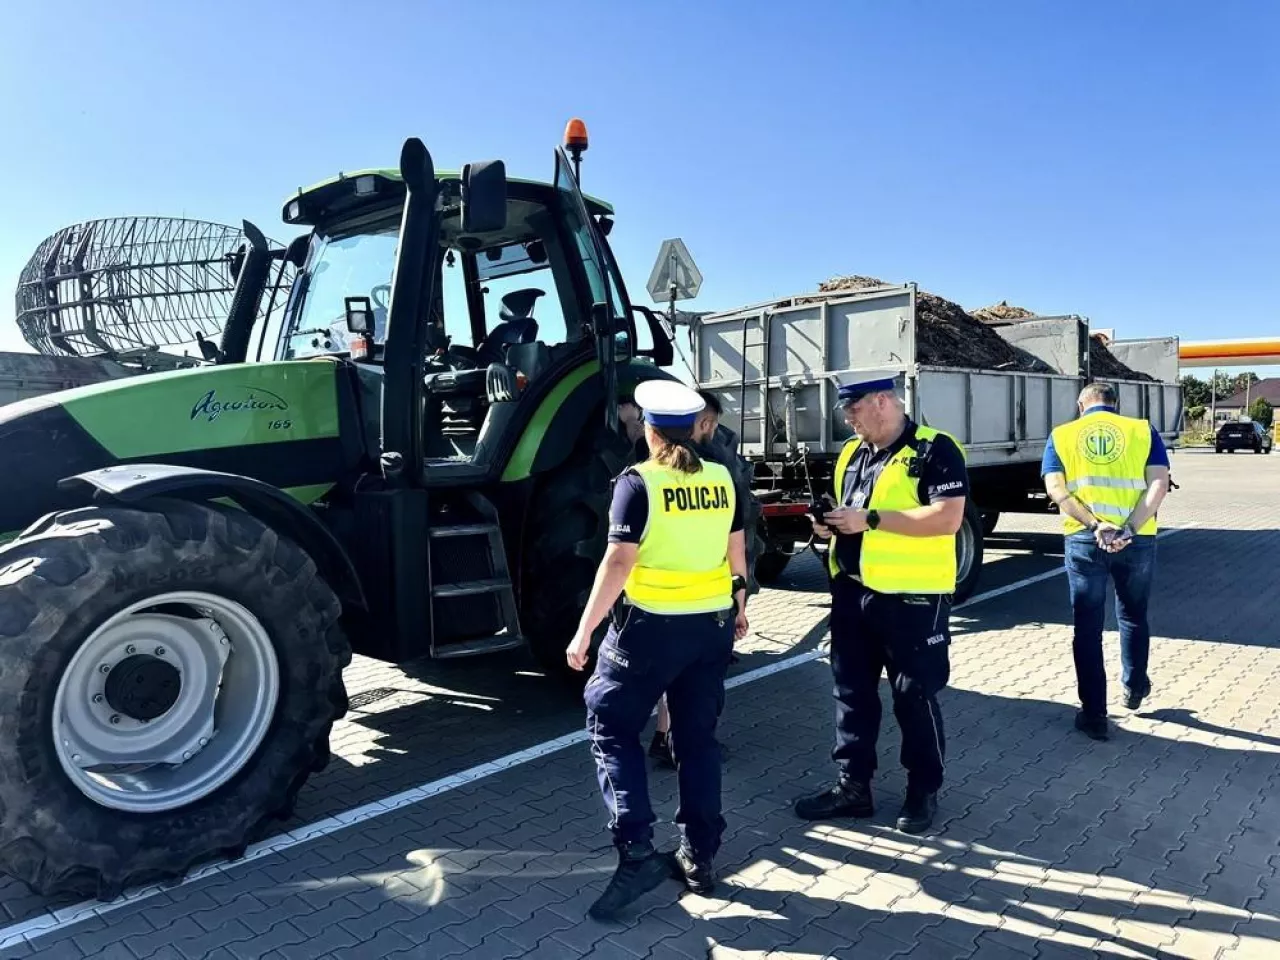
x=890, y=611
x=671, y=632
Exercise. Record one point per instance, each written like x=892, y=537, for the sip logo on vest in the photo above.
x=695, y=498
x=1101, y=443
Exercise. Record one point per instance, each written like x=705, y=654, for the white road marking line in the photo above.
x=35, y=927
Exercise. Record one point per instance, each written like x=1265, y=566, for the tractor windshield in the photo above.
x=341, y=265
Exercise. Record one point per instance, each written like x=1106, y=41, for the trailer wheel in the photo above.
x=169, y=676
x=989, y=520
x=969, y=545
x=566, y=535
x=771, y=562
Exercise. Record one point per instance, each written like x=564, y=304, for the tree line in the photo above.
x=1198, y=395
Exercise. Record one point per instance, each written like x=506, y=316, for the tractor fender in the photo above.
x=131, y=483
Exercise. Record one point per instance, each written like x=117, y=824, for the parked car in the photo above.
x=1244, y=435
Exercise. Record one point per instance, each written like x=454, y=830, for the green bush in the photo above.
x=1260, y=412
x=1197, y=438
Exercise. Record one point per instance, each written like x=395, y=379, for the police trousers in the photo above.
x=907, y=638
x=644, y=655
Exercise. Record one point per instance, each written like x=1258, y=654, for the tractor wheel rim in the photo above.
x=165, y=702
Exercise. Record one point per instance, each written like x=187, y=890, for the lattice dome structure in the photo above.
x=132, y=288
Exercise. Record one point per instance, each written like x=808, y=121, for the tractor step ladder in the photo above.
x=451, y=544
x=762, y=417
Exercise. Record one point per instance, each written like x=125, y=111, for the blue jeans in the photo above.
x=1132, y=571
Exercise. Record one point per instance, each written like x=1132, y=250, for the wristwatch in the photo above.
x=738, y=583
x=873, y=519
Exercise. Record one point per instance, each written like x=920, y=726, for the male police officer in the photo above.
x=901, y=490
x=1108, y=475
x=676, y=551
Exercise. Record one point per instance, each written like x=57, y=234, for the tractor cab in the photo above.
x=509, y=303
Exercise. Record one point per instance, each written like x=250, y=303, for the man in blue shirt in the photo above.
x=1108, y=475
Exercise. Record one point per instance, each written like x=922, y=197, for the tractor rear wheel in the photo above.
x=169, y=675
x=565, y=538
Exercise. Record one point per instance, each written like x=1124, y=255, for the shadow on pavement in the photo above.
x=1183, y=573
x=1188, y=719
x=1037, y=825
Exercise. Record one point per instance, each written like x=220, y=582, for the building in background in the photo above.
x=1236, y=406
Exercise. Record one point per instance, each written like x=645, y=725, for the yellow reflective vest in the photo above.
x=892, y=562
x=682, y=563
x=1105, y=458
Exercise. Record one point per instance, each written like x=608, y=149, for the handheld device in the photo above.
x=818, y=510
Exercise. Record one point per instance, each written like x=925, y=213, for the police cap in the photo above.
x=668, y=403
x=852, y=387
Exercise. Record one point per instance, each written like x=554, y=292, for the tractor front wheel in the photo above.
x=168, y=679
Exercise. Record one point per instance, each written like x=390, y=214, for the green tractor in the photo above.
x=421, y=468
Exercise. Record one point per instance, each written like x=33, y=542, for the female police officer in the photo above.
x=678, y=553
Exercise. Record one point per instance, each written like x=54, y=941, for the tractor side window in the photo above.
x=517, y=282
x=453, y=293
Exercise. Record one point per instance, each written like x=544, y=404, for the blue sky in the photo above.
x=1115, y=160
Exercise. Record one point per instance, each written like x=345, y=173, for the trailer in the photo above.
x=27, y=375
x=774, y=368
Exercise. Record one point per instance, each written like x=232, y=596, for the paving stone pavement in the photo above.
x=1164, y=841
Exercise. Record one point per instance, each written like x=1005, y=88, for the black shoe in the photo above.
x=697, y=875
x=1133, y=698
x=640, y=869
x=916, y=815
x=846, y=799
x=660, y=749
x=1094, y=727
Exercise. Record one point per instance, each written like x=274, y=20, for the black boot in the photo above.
x=640, y=869
x=1094, y=727
x=847, y=798
x=916, y=815
x=1133, y=698
x=696, y=874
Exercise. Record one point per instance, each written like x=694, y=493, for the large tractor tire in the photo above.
x=169, y=676
x=969, y=546
x=565, y=537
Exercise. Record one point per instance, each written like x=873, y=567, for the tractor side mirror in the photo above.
x=296, y=252
x=622, y=345
x=484, y=197
x=611, y=334
x=360, y=316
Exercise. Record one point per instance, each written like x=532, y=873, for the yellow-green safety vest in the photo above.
x=893, y=562
x=1105, y=458
x=682, y=564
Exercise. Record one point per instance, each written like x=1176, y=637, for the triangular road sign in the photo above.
x=674, y=265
